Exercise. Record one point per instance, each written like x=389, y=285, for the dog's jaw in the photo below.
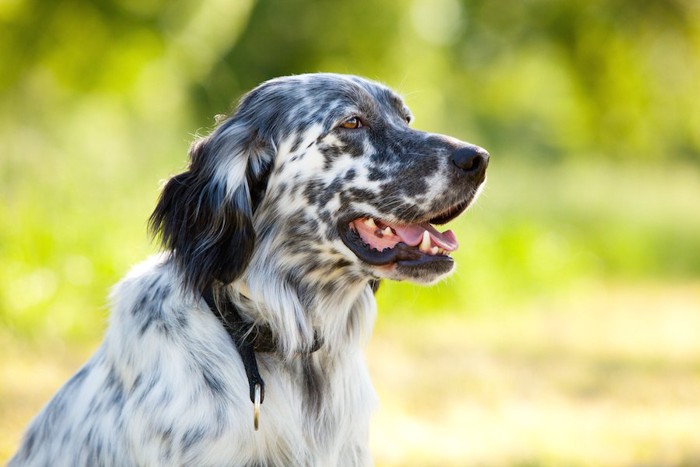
x=417, y=252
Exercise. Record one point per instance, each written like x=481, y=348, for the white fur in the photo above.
x=150, y=426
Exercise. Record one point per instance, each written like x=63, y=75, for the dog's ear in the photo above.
x=204, y=215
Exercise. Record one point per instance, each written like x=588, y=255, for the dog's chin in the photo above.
x=425, y=273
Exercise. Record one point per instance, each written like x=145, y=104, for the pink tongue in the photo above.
x=413, y=234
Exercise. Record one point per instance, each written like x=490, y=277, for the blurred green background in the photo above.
x=570, y=334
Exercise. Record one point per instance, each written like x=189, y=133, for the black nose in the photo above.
x=471, y=159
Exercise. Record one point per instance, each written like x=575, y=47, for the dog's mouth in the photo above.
x=379, y=242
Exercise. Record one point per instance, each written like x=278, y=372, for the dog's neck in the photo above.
x=340, y=315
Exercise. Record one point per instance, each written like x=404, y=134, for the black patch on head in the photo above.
x=378, y=173
x=327, y=192
x=330, y=154
x=325, y=216
x=353, y=144
x=313, y=190
x=361, y=194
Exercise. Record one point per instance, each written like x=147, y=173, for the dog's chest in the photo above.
x=311, y=415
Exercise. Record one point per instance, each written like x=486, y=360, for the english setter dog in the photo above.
x=241, y=344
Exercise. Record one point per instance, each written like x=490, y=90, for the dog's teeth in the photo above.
x=369, y=222
x=434, y=250
x=425, y=243
x=388, y=231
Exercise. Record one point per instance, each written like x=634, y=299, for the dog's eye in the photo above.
x=352, y=123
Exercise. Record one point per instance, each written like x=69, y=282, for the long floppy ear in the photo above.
x=204, y=215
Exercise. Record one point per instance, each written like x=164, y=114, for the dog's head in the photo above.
x=322, y=176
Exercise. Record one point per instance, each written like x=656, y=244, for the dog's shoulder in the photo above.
x=149, y=298
x=155, y=319
x=154, y=273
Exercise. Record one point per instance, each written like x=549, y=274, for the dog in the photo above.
x=241, y=343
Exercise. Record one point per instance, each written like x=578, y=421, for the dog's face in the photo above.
x=326, y=173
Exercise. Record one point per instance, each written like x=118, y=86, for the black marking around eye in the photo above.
x=355, y=150
x=353, y=143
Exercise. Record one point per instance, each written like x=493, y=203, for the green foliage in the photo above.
x=587, y=108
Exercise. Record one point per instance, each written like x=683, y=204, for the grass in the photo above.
x=609, y=377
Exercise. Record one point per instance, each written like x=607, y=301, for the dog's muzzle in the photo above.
x=379, y=242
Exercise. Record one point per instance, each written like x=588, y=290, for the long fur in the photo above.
x=257, y=214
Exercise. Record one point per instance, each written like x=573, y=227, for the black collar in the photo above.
x=248, y=339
